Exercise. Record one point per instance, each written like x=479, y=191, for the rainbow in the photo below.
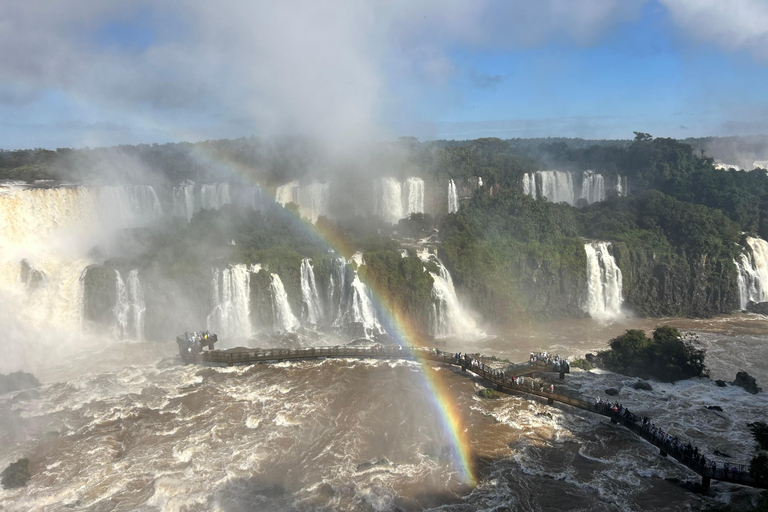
x=399, y=326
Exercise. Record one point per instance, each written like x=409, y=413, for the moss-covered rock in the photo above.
x=488, y=393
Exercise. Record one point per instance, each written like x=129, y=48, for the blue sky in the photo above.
x=108, y=72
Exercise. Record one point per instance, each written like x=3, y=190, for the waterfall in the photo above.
x=336, y=288
x=361, y=308
x=604, y=282
x=413, y=196
x=231, y=301
x=125, y=206
x=188, y=200
x=557, y=186
x=622, y=185
x=129, y=307
x=391, y=200
x=138, y=306
x=592, y=187
x=449, y=318
x=214, y=195
x=121, y=309
x=184, y=200
x=453, y=197
x=312, y=306
x=285, y=320
x=529, y=185
x=312, y=199
x=752, y=278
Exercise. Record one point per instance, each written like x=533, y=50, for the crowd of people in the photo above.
x=669, y=443
x=557, y=363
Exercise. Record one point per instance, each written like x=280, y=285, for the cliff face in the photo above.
x=664, y=285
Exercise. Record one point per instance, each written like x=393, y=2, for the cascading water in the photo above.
x=557, y=186
x=231, y=300
x=592, y=187
x=390, y=206
x=752, y=274
x=529, y=185
x=188, y=200
x=604, y=282
x=413, y=196
x=360, y=308
x=622, y=185
x=138, y=306
x=449, y=318
x=121, y=309
x=313, y=311
x=336, y=288
x=285, y=320
x=453, y=197
x=184, y=200
x=312, y=199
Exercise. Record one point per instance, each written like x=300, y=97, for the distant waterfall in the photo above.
x=336, y=287
x=391, y=200
x=188, y=199
x=560, y=186
x=592, y=187
x=453, y=197
x=622, y=185
x=349, y=299
x=449, y=318
x=122, y=306
x=604, y=282
x=312, y=199
x=285, y=320
x=312, y=306
x=753, y=273
x=184, y=200
x=231, y=301
x=413, y=196
x=529, y=184
x=557, y=186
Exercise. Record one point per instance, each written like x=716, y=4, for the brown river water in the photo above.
x=127, y=427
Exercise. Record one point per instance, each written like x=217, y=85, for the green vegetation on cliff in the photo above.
x=665, y=356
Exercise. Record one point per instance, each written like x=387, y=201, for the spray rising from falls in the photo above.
x=231, y=300
x=285, y=320
x=453, y=197
x=604, y=282
x=313, y=310
x=752, y=274
x=449, y=318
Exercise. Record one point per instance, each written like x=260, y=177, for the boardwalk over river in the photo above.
x=733, y=473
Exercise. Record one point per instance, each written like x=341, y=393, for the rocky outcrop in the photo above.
x=761, y=308
x=16, y=381
x=16, y=474
x=746, y=381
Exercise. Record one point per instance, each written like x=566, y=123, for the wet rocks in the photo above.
x=16, y=474
x=488, y=393
x=16, y=381
x=761, y=308
x=746, y=381
x=714, y=408
x=720, y=383
x=641, y=384
x=611, y=391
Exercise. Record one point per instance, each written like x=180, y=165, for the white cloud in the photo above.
x=293, y=66
x=733, y=24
